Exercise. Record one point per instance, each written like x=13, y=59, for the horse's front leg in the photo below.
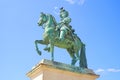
x=52, y=49
x=36, y=45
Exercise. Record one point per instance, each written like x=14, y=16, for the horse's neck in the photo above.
x=50, y=21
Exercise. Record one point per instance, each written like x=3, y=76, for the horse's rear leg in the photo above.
x=72, y=55
x=77, y=54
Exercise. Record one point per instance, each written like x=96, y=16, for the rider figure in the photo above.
x=64, y=24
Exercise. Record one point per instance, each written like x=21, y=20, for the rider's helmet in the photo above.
x=63, y=13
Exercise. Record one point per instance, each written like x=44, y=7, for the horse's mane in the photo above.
x=52, y=18
x=55, y=22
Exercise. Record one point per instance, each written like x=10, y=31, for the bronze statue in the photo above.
x=61, y=35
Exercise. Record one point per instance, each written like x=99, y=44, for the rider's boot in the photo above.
x=62, y=35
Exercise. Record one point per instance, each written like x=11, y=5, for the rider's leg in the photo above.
x=62, y=34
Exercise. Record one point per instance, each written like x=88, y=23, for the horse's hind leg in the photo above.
x=74, y=60
x=77, y=54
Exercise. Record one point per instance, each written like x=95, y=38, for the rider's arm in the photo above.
x=66, y=20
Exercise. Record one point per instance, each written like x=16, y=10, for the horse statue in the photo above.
x=75, y=47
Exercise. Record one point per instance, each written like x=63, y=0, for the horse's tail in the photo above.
x=83, y=60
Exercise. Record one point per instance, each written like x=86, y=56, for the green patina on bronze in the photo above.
x=61, y=35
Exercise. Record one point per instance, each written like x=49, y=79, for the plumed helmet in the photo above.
x=63, y=11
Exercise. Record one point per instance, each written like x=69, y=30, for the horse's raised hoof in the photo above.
x=39, y=52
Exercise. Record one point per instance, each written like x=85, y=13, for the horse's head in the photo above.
x=42, y=19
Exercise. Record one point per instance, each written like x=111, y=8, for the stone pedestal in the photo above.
x=48, y=70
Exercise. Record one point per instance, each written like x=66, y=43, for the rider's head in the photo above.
x=63, y=13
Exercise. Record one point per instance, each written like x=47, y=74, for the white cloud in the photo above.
x=80, y=2
x=113, y=70
x=70, y=1
x=99, y=70
x=107, y=70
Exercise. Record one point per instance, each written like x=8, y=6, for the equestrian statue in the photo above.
x=61, y=35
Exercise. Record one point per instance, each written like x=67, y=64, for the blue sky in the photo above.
x=96, y=22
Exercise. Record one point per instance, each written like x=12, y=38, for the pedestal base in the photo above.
x=48, y=70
